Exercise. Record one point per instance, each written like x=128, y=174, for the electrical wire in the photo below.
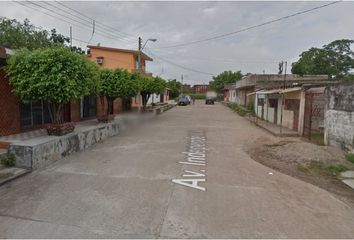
x=98, y=23
x=65, y=18
x=180, y=66
x=249, y=28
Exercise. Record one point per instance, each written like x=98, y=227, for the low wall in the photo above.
x=339, y=129
x=339, y=116
x=40, y=151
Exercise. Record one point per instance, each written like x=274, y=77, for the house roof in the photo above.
x=135, y=52
x=286, y=90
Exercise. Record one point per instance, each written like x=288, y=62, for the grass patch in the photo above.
x=239, y=109
x=319, y=169
x=350, y=157
x=318, y=138
x=337, y=168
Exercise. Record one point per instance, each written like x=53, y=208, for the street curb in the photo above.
x=4, y=181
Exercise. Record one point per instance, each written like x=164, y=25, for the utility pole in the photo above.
x=282, y=95
x=71, y=36
x=139, y=71
x=182, y=83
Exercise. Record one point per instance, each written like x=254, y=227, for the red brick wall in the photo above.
x=102, y=110
x=117, y=106
x=9, y=108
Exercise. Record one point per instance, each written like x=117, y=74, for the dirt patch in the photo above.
x=318, y=165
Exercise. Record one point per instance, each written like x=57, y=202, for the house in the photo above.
x=16, y=116
x=249, y=84
x=200, y=88
x=297, y=108
x=339, y=116
x=187, y=88
x=113, y=58
x=229, y=92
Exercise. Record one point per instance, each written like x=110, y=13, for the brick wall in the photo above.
x=339, y=116
x=75, y=110
x=102, y=110
x=10, y=108
x=117, y=106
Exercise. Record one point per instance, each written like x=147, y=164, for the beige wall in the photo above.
x=115, y=59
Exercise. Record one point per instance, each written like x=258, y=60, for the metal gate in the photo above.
x=314, y=113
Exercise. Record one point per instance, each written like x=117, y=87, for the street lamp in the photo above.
x=141, y=47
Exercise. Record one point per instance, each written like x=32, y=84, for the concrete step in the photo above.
x=11, y=173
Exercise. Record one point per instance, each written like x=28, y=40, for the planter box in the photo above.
x=60, y=129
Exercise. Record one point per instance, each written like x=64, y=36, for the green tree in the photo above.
x=174, y=87
x=117, y=83
x=150, y=85
x=224, y=78
x=335, y=59
x=16, y=35
x=56, y=75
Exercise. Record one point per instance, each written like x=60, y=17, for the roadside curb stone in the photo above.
x=348, y=178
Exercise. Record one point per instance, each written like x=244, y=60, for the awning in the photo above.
x=250, y=94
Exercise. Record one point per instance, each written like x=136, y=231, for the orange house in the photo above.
x=113, y=58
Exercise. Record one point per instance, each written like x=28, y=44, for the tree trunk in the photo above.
x=55, y=112
x=102, y=98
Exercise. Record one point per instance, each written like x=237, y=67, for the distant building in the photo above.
x=187, y=88
x=200, y=88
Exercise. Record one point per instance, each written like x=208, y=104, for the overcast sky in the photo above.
x=172, y=23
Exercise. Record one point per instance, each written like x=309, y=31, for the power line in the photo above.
x=251, y=27
x=86, y=19
x=180, y=66
x=66, y=17
x=99, y=23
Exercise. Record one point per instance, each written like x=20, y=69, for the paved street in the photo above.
x=123, y=188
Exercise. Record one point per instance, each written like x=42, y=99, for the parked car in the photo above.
x=183, y=101
x=189, y=99
x=209, y=100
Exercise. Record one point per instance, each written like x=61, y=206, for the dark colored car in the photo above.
x=183, y=101
x=209, y=100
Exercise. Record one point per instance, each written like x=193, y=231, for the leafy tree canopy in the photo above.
x=334, y=59
x=127, y=83
x=175, y=88
x=55, y=74
x=16, y=35
x=150, y=85
x=224, y=78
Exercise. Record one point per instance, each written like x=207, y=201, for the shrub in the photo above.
x=350, y=157
x=9, y=160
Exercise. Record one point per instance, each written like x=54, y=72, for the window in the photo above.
x=34, y=114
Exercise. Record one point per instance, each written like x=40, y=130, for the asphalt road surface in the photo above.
x=183, y=175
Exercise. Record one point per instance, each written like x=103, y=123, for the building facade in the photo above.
x=16, y=117
x=200, y=88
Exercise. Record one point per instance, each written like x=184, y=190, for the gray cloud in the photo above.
x=177, y=22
